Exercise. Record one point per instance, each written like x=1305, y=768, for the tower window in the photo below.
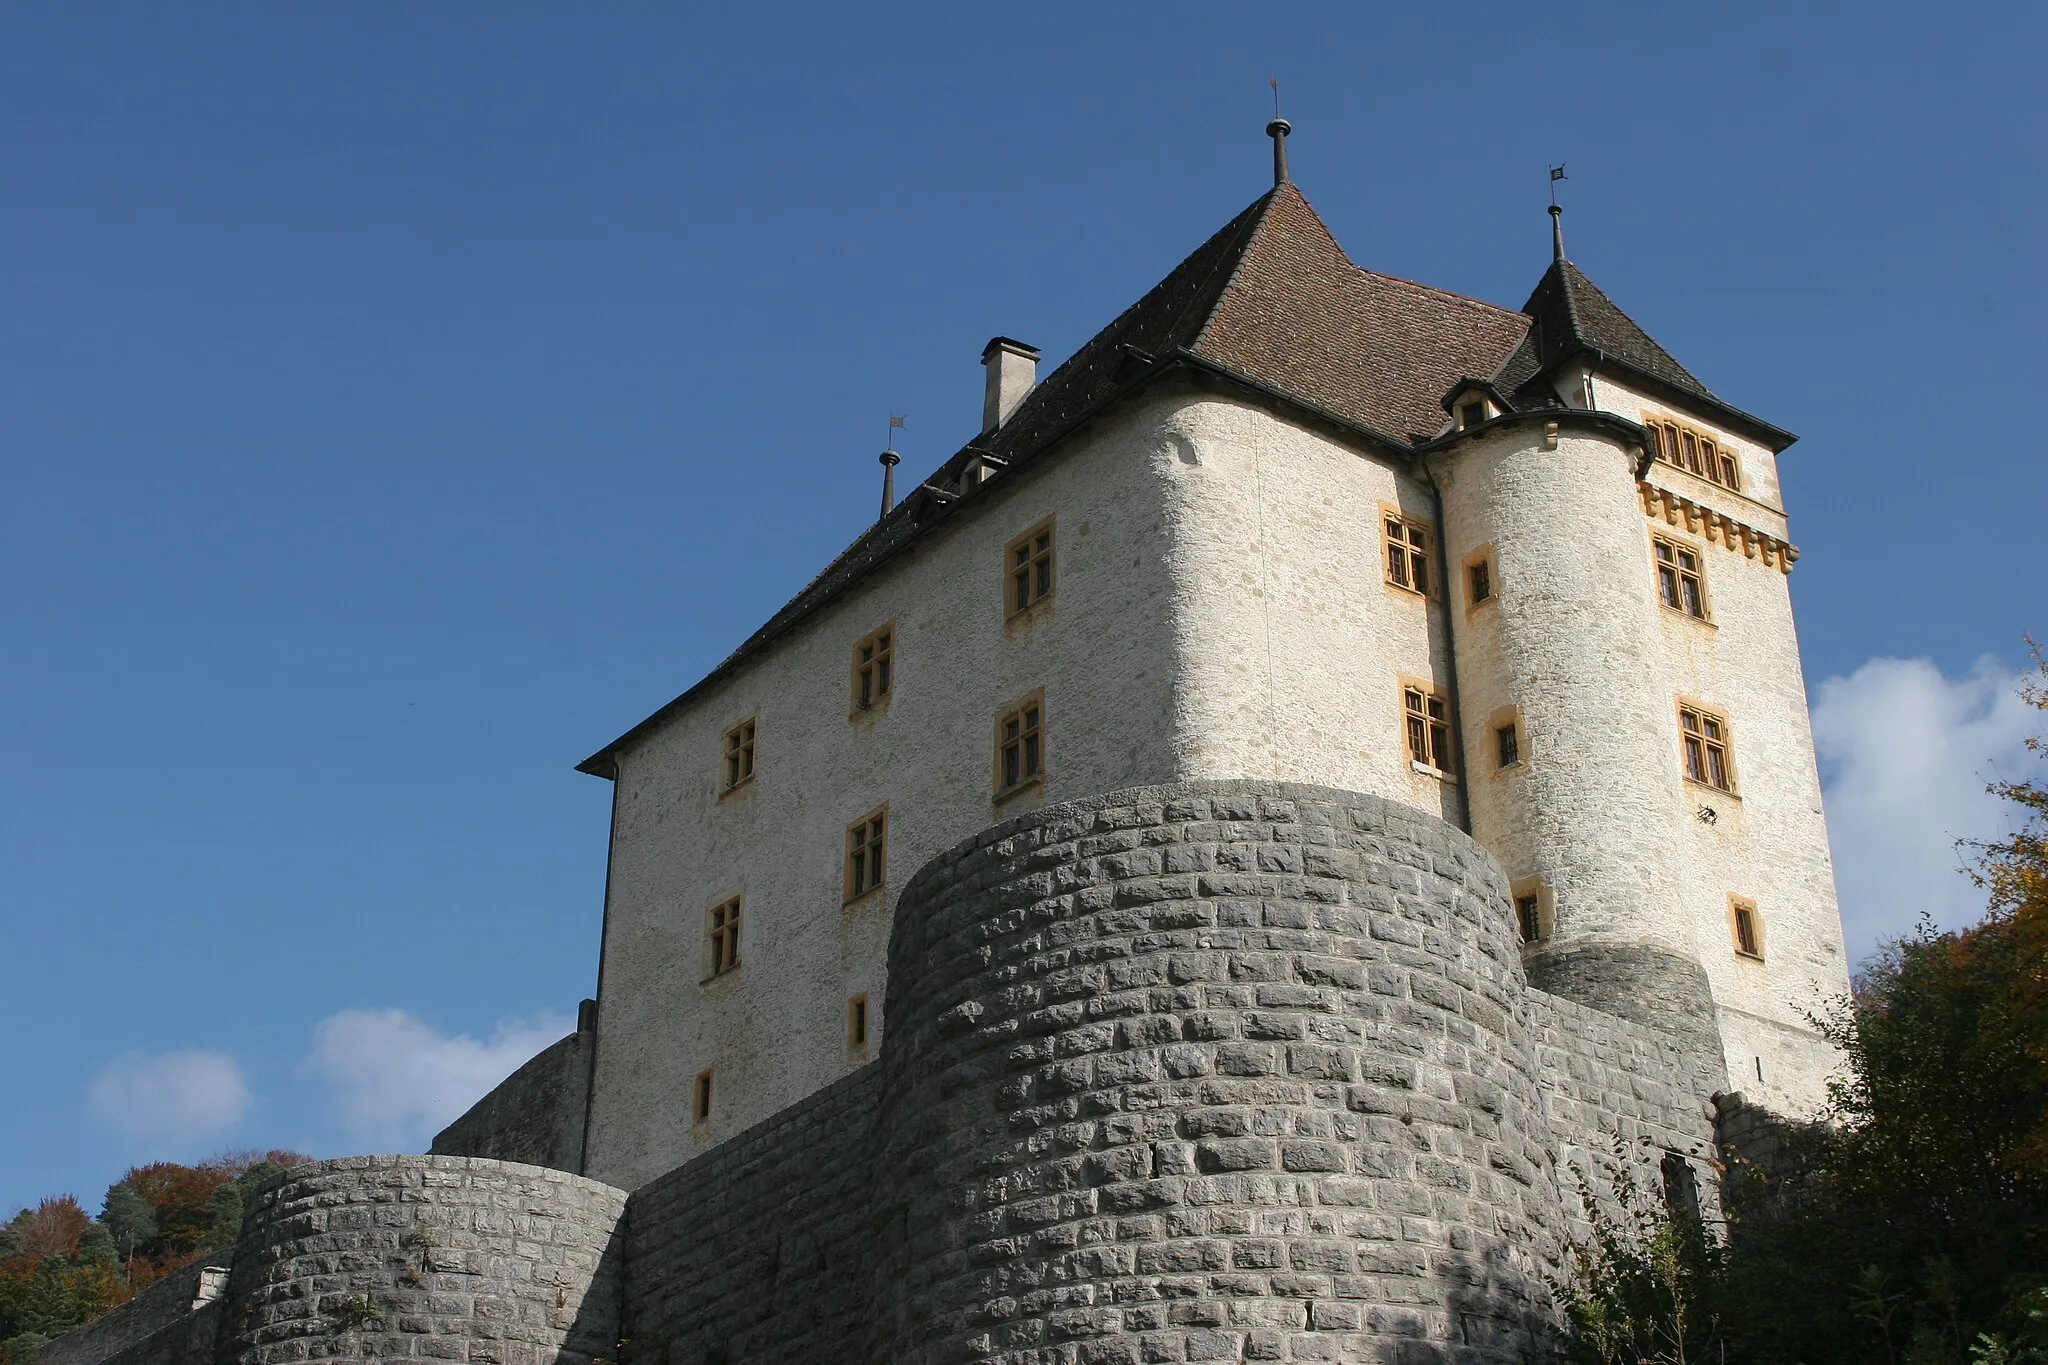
x=722, y=936
x=1020, y=745
x=700, y=1099
x=1427, y=715
x=874, y=668
x=1482, y=581
x=1407, y=542
x=739, y=753
x=1028, y=563
x=1482, y=577
x=1695, y=452
x=1507, y=742
x=1680, y=585
x=867, y=842
x=1703, y=737
x=1747, y=927
x=857, y=1023
x=1532, y=906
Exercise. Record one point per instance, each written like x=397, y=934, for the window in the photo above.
x=874, y=668
x=1704, y=738
x=867, y=841
x=700, y=1100
x=857, y=1023
x=1429, y=727
x=1747, y=926
x=1028, y=563
x=1679, y=584
x=1531, y=899
x=1020, y=745
x=1695, y=452
x=1481, y=577
x=739, y=753
x=1471, y=414
x=1507, y=745
x=1407, y=552
x=722, y=936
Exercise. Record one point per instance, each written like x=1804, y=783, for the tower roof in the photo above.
x=1271, y=301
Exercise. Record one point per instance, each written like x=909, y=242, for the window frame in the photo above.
x=1435, y=726
x=1740, y=907
x=1414, y=555
x=1482, y=561
x=882, y=640
x=1508, y=719
x=1686, y=446
x=860, y=1026
x=1041, y=567
x=703, y=1096
x=1708, y=718
x=1532, y=888
x=860, y=842
x=1028, y=735
x=1678, y=576
x=724, y=922
x=739, y=750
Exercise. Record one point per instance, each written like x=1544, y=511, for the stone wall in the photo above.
x=404, y=1257
x=762, y=1250
x=535, y=1115
x=175, y=1321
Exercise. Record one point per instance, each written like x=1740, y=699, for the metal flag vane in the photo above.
x=895, y=425
x=1274, y=81
x=1556, y=174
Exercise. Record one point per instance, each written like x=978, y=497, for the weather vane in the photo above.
x=1556, y=174
x=895, y=425
x=1274, y=81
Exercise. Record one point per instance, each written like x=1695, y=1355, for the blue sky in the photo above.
x=399, y=401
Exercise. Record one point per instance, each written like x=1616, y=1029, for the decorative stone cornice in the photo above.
x=1678, y=510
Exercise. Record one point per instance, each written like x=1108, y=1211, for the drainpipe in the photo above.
x=1443, y=576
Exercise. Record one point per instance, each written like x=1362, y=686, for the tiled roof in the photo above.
x=1271, y=298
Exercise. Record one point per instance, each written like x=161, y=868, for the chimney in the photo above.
x=1012, y=370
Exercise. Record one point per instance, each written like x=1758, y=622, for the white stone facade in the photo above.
x=1222, y=611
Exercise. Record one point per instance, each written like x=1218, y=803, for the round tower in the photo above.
x=1558, y=644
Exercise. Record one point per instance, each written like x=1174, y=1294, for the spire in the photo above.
x=1278, y=130
x=1557, y=233
x=890, y=459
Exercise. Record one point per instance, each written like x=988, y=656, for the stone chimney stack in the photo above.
x=1012, y=370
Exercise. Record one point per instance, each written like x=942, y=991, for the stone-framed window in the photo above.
x=857, y=1025
x=1426, y=724
x=722, y=938
x=1510, y=746
x=867, y=851
x=1681, y=581
x=738, y=768
x=1406, y=541
x=874, y=669
x=1028, y=576
x=1533, y=909
x=1688, y=448
x=1746, y=928
x=1705, y=747
x=1482, y=578
x=1020, y=746
x=700, y=1099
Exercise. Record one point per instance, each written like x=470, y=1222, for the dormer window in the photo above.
x=1471, y=414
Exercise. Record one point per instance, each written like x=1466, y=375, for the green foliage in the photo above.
x=1641, y=1291
x=129, y=1218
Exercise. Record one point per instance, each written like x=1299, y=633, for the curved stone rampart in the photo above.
x=1223, y=1070
x=426, y=1257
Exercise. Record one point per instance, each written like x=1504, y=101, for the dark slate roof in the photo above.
x=1272, y=301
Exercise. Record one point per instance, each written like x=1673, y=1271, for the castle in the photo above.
x=1190, y=882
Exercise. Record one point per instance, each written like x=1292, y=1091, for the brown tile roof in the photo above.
x=1271, y=298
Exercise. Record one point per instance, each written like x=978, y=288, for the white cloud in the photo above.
x=170, y=1097
x=398, y=1081
x=1905, y=754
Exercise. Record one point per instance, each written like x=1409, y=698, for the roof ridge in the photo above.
x=1439, y=291
x=1265, y=205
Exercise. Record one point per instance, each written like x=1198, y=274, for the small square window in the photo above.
x=1681, y=586
x=1482, y=581
x=874, y=669
x=1028, y=569
x=1704, y=742
x=700, y=1098
x=739, y=754
x=1531, y=898
x=1426, y=713
x=1507, y=743
x=867, y=845
x=722, y=937
x=1472, y=414
x=1020, y=745
x=1407, y=544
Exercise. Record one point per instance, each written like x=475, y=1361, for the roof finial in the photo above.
x=1278, y=130
x=890, y=459
x=1556, y=216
